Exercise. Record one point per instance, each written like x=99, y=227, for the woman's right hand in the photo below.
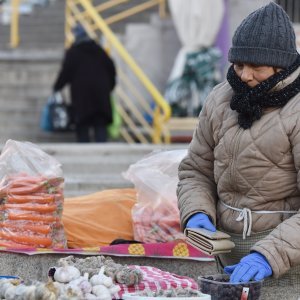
x=200, y=220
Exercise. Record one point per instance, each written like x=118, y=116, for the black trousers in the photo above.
x=91, y=130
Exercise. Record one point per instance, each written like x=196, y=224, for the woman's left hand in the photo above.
x=253, y=266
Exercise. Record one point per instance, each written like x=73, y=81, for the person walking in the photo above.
x=242, y=171
x=91, y=74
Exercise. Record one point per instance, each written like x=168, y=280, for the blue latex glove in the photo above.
x=253, y=266
x=200, y=220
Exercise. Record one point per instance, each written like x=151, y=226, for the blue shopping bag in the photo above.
x=56, y=115
x=46, y=120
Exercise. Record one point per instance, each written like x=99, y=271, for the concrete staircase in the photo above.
x=28, y=72
x=26, y=81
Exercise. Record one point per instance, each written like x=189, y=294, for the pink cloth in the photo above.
x=155, y=280
x=176, y=249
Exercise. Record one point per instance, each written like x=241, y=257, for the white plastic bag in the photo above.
x=156, y=215
x=31, y=197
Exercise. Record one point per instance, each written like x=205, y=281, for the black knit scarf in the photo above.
x=249, y=102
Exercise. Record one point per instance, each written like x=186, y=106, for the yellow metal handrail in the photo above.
x=132, y=11
x=129, y=12
x=84, y=12
x=14, y=29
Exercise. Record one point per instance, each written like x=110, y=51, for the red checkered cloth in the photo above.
x=155, y=280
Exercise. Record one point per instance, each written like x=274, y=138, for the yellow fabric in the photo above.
x=97, y=219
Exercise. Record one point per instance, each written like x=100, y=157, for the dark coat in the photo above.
x=92, y=76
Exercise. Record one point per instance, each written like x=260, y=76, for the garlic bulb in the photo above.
x=43, y=293
x=21, y=291
x=59, y=288
x=128, y=276
x=4, y=285
x=101, y=279
x=30, y=293
x=85, y=286
x=83, y=283
x=66, y=273
x=102, y=292
x=10, y=293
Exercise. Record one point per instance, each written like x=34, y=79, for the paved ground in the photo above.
x=36, y=267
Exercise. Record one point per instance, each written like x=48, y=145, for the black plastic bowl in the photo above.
x=219, y=287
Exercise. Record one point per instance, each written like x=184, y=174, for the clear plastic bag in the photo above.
x=31, y=197
x=155, y=215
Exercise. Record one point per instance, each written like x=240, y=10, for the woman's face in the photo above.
x=251, y=74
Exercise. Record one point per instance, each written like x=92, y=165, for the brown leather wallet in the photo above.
x=212, y=243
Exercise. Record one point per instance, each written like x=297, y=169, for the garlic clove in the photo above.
x=102, y=292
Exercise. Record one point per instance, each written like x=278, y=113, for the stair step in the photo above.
x=105, y=149
x=33, y=92
x=46, y=80
x=84, y=185
x=37, y=136
x=16, y=122
x=11, y=101
x=44, y=137
x=96, y=164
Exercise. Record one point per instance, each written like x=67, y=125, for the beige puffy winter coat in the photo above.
x=257, y=168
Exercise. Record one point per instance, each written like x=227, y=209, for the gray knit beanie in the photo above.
x=265, y=37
